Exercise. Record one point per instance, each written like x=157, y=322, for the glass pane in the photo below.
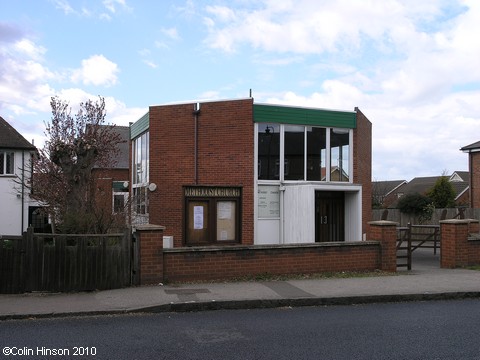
x=144, y=159
x=140, y=200
x=226, y=225
x=269, y=201
x=2, y=163
x=316, y=153
x=294, y=153
x=10, y=163
x=118, y=203
x=268, y=151
x=137, y=161
x=339, y=154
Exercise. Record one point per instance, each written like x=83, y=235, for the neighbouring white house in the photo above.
x=17, y=209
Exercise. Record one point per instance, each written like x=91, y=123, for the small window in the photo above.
x=7, y=163
x=119, y=202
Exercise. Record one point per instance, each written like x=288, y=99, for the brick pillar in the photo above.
x=150, y=238
x=386, y=233
x=453, y=242
x=473, y=226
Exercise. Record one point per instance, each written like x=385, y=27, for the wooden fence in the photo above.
x=439, y=214
x=62, y=263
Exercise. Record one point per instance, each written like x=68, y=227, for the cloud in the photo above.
x=96, y=70
x=113, y=5
x=64, y=6
x=24, y=79
x=30, y=49
x=171, y=33
x=9, y=32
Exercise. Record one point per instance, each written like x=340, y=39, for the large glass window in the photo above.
x=294, y=152
x=268, y=151
x=140, y=177
x=309, y=153
x=316, y=153
x=140, y=159
x=7, y=163
x=340, y=149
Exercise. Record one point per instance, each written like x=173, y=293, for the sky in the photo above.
x=412, y=67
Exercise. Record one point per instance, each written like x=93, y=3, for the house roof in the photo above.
x=11, y=138
x=383, y=188
x=422, y=185
x=121, y=160
x=460, y=176
x=123, y=154
x=472, y=147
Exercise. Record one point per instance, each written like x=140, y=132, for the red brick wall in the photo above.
x=459, y=248
x=475, y=179
x=386, y=233
x=102, y=186
x=362, y=165
x=191, y=264
x=225, y=158
x=150, y=238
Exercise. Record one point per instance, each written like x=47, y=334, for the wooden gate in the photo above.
x=412, y=237
x=12, y=264
x=62, y=263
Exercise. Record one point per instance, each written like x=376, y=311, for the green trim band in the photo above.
x=304, y=116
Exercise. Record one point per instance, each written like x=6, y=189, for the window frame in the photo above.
x=5, y=155
x=328, y=156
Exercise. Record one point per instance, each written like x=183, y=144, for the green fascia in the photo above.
x=263, y=113
x=140, y=126
x=119, y=186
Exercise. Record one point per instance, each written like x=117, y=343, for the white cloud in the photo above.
x=64, y=6
x=112, y=5
x=96, y=70
x=171, y=33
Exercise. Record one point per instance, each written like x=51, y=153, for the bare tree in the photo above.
x=62, y=173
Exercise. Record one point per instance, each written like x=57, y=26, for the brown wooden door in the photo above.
x=329, y=216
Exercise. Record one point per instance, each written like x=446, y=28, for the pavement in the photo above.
x=426, y=281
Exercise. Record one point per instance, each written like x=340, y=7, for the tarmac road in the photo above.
x=413, y=330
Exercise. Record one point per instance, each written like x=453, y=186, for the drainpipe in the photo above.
x=23, y=190
x=196, y=111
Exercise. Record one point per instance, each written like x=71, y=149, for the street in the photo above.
x=416, y=330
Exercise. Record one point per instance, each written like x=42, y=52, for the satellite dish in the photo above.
x=152, y=187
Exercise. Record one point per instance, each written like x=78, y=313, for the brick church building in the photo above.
x=237, y=172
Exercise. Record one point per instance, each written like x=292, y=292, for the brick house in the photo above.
x=473, y=151
x=238, y=172
x=111, y=185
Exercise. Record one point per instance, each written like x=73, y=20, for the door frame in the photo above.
x=329, y=221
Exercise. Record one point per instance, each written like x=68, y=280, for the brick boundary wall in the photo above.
x=386, y=233
x=150, y=253
x=460, y=243
x=206, y=263
x=157, y=264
